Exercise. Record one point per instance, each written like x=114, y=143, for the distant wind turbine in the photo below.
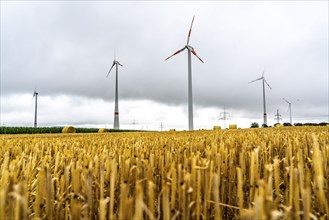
x=116, y=107
x=190, y=50
x=290, y=107
x=35, y=94
x=264, y=101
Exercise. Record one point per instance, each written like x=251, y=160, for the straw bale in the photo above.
x=102, y=130
x=233, y=126
x=217, y=127
x=69, y=129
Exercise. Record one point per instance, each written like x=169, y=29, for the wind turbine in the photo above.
x=35, y=94
x=116, y=107
x=290, y=107
x=264, y=101
x=190, y=50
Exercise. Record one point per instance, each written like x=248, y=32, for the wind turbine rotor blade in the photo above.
x=177, y=52
x=35, y=92
x=255, y=80
x=267, y=84
x=110, y=69
x=286, y=100
x=193, y=51
x=189, y=33
x=120, y=64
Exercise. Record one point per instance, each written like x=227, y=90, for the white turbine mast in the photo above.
x=35, y=94
x=289, y=103
x=264, y=100
x=190, y=50
x=116, y=107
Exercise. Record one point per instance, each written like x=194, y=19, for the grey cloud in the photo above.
x=68, y=47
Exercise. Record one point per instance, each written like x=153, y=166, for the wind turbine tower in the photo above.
x=35, y=94
x=190, y=50
x=116, y=107
x=289, y=103
x=264, y=100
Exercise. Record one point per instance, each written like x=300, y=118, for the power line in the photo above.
x=134, y=122
x=161, y=126
x=277, y=116
x=224, y=116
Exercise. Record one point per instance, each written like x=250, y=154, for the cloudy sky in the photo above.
x=65, y=50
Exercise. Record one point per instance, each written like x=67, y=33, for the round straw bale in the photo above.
x=172, y=129
x=217, y=127
x=102, y=130
x=278, y=125
x=69, y=129
x=233, y=126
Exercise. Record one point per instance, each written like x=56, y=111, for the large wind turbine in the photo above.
x=190, y=50
x=290, y=107
x=264, y=101
x=35, y=94
x=116, y=107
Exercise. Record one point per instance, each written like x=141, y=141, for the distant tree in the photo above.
x=286, y=124
x=298, y=124
x=264, y=126
x=254, y=125
x=310, y=124
x=323, y=124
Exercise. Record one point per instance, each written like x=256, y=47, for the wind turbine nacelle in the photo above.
x=189, y=47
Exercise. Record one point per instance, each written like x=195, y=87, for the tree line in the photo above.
x=287, y=124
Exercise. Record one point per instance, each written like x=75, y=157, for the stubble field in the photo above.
x=272, y=173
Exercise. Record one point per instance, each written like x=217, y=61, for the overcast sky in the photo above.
x=65, y=49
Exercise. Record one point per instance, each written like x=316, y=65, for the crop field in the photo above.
x=265, y=173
